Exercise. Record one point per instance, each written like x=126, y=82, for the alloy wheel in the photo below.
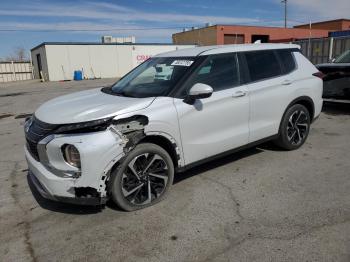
x=144, y=179
x=297, y=127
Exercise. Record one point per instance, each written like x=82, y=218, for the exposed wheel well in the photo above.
x=161, y=141
x=165, y=143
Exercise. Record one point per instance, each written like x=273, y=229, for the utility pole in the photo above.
x=285, y=12
x=309, y=44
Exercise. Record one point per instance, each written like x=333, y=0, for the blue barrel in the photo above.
x=78, y=75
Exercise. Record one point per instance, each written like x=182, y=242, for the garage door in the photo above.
x=233, y=39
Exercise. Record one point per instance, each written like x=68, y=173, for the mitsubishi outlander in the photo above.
x=176, y=110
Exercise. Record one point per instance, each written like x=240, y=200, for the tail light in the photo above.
x=319, y=74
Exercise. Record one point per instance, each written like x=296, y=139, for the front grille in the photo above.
x=37, y=131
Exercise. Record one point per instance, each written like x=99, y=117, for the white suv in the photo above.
x=126, y=141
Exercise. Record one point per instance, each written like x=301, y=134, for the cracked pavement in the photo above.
x=261, y=204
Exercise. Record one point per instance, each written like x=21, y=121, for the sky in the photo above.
x=29, y=23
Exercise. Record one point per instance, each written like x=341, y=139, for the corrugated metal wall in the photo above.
x=340, y=45
x=322, y=50
x=59, y=61
x=15, y=71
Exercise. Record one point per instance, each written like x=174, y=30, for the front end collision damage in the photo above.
x=133, y=130
x=101, y=150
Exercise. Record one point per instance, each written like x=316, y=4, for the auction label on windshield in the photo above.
x=182, y=63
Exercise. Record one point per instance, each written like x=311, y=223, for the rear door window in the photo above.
x=262, y=65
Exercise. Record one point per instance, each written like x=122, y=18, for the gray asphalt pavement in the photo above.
x=261, y=204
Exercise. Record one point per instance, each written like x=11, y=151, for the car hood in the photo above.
x=88, y=105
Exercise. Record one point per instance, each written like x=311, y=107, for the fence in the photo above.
x=322, y=50
x=15, y=71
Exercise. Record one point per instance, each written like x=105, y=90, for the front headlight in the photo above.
x=90, y=126
x=71, y=155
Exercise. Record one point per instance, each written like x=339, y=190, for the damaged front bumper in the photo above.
x=56, y=180
x=44, y=192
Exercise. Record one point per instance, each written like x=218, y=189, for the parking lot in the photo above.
x=261, y=204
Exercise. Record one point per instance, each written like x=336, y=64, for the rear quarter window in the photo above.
x=262, y=65
x=287, y=60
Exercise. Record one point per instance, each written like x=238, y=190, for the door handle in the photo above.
x=239, y=94
x=286, y=82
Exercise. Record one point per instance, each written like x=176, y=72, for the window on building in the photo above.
x=262, y=38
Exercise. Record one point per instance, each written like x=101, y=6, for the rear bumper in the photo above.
x=337, y=89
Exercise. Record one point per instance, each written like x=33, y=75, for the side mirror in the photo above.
x=198, y=91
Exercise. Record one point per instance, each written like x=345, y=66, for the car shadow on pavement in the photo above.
x=204, y=167
x=334, y=108
x=61, y=207
x=218, y=163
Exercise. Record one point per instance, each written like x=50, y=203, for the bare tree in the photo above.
x=19, y=54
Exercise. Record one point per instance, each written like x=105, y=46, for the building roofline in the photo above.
x=257, y=26
x=324, y=22
x=191, y=29
x=218, y=49
x=97, y=43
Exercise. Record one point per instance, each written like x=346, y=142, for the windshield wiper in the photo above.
x=109, y=90
x=122, y=93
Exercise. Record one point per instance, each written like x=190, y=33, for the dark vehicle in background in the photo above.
x=336, y=79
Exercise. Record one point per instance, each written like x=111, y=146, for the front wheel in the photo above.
x=143, y=178
x=294, y=128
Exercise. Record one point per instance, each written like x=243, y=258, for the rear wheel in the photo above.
x=294, y=128
x=143, y=178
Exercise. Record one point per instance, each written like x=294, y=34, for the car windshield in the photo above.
x=155, y=77
x=343, y=58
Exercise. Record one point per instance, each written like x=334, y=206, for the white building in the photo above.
x=58, y=61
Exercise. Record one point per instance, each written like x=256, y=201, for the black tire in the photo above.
x=294, y=128
x=151, y=183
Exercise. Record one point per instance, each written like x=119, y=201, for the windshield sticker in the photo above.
x=182, y=63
